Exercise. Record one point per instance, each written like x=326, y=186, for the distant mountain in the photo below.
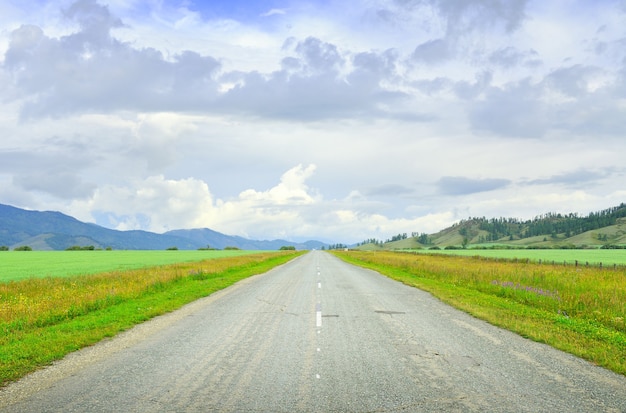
x=213, y=239
x=56, y=231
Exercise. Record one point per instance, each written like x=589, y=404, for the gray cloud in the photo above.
x=432, y=52
x=433, y=86
x=310, y=87
x=466, y=23
x=90, y=71
x=319, y=56
x=84, y=73
x=514, y=110
x=62, y=183
x=461, y=17
x=457, y=185
x=577, y=178
x=509, y=57
x=94, y=19
x=55, y=172
x=466, y=90
x=465, y=16
x=572, y=81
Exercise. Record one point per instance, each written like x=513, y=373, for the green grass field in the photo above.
x=592, y=256
x=19, y=265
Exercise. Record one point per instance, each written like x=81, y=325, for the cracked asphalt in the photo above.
x=318, y=335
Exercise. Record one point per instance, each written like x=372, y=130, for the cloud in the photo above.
x=319, y=56
x=290, y=209
x=459, y=18
x=577, y=178
x=53, y=171
x=188, y=203
x=94, y=19
x=173, y=204
x=514, y=110
x=62, y=183
x=509, y=57
x=574, y=81
x=292, y=189
x=482, y=14
x=432, y=52
x=315, y=84
x=457, y=185
x=274, y=12
x=466, y=90
x=91, y=72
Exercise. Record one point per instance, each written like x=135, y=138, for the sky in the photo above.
x=329, y=120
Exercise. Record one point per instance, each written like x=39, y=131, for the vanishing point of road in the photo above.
x=318, y=335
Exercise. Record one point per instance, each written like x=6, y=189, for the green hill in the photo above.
x=552, y=230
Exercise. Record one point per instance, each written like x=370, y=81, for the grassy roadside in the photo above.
x=42, y=320
x=580, y=311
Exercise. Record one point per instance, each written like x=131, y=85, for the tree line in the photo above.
x=550, y=224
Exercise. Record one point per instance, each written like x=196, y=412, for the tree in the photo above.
x=424, y=239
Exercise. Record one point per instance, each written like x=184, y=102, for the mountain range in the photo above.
x=49, y=230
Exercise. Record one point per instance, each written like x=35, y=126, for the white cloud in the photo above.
x=274, y=12
x=289, y=209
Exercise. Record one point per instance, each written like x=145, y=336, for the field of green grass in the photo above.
x=19, y=265
x=594, y=257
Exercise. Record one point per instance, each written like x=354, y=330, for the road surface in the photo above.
x=318, y=335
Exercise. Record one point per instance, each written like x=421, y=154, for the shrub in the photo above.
x=23, y=248
x=79, y=248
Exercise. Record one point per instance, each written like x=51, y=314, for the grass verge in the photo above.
x=580, y=311
x=42, y=320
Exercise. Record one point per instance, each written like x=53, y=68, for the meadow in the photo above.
x=595, y=257
x=19, y=265
x=43, y=318
x=581, y=310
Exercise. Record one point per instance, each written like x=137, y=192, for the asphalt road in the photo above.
x=318, y=335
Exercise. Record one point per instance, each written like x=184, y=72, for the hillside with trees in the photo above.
x=602, y=229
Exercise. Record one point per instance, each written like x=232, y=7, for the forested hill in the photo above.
x=605, y=229
x=550, y=224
